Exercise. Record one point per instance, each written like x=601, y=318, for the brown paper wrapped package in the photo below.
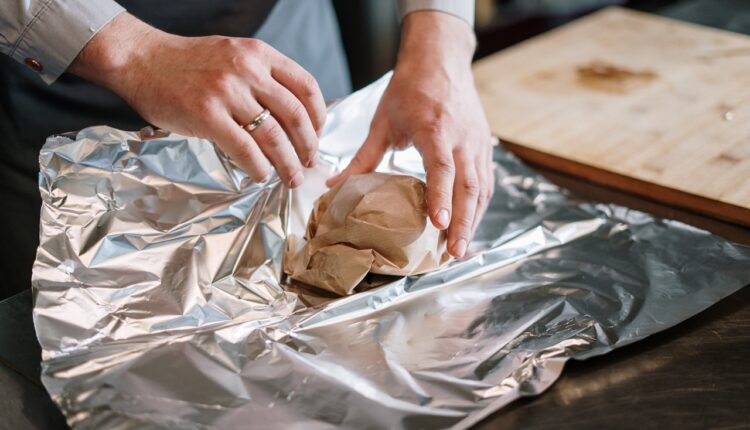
x=373, y=222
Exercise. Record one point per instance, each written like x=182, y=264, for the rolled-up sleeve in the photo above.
x=463, y=9
x=47, y=35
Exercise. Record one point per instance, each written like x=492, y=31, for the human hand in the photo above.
x=431, y=102
x=210, y=87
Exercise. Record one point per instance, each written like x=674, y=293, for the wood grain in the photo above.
x=641, y=103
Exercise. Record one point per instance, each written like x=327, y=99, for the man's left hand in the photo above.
x=431, y=102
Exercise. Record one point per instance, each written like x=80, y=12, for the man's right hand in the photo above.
x=210, y=87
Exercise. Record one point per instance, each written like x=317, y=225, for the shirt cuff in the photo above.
x=58, y=31
x=463, y=9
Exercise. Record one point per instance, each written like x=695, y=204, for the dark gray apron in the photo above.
x=30, y=110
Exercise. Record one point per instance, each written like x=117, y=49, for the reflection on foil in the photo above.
x=159, y=301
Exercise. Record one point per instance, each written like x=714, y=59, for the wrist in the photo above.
x=112, y=56
x=430, y=38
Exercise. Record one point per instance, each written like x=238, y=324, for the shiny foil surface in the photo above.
x=160, y=301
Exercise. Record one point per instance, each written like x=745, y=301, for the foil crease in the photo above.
x=160, y=302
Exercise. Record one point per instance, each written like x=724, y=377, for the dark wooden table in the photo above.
x=693, y=376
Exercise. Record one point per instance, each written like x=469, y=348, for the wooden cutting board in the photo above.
x=633, y=101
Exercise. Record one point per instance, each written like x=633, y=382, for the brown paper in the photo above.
x=373, y=222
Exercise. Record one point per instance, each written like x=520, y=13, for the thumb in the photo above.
x=367, y=157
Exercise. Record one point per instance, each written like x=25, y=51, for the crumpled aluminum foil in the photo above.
x=159, y=301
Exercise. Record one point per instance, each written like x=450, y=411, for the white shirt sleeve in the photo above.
x=47, y=35
x=463, y=9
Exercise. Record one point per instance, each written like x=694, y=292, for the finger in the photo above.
x=491, y=170
x=272, y=141
x=239, y=146
x=368, y=156
x=294, y=119
x=278, y=149
x=465, y=195
x=440, y=171
x=303, y=85
x=483, y=175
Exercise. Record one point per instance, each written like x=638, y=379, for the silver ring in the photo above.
x=257, y=121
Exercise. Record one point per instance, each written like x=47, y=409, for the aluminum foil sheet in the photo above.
x=159, y=301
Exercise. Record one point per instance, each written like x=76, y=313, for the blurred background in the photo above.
x=370, y=27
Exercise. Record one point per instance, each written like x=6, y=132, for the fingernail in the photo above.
x=296, y=180
x=443, y=218
x=313, y=161
x=459, y=248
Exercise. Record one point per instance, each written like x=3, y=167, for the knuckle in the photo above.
x=435, y=128
x=260, y=173
x=463, y=225
x=248, y=65
x=296, y=114
x=491, y=185
x=305, y=150
x=486, y=194
x=224, y=43
x=255, y=45
x=246, y=54
x=286, y=171
x=438, y=193
x=442, y=164
x=273, y=137
x=309, y=145
x=231, y=46
x=484, y=197
x=309, y=86
x=242, y=154
x=276, y=134
x=470, y=187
